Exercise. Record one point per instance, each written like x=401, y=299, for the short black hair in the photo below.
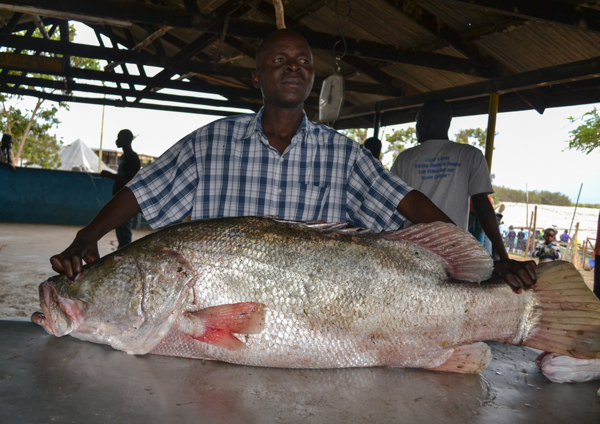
x=6, y=140
x=127, y=135
x=373, y=144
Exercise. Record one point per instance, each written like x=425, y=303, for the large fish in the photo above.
x=265, y=292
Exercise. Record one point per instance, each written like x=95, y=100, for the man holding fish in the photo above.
x=275, y=162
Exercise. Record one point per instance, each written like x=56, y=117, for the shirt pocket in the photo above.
x=310, y=200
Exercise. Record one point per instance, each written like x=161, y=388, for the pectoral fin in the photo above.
x=216, y=325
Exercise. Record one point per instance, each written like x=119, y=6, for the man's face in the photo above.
x=284, y=71
x=120, y=140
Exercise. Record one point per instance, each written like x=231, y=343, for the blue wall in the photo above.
x=51, y=197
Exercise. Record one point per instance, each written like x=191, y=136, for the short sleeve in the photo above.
x=479, y=180
x=374, y=194
x=166, y=188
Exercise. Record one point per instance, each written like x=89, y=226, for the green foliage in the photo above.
x=42, y=149
x=473, y=136
x=586, y=137
x=538, y=197
x=29, y=128
x=400, y=140
x=356, y=134
x=14, y=120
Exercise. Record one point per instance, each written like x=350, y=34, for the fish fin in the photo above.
x=566, y=369
x=566, y=313
x=463, y=255
x=467, y=359
x=216, y=324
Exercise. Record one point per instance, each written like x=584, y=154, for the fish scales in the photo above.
x=331, y=299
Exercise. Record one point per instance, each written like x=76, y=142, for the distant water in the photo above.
x=558, y=217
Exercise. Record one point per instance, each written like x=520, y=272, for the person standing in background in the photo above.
x=450, y=174
x=373, y=145
x=6, y=158
x=129, y=165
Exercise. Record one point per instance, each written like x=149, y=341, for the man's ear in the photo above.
x=256, y=79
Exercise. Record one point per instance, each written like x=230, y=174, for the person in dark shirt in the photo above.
x=6, y=158
x=129, y=165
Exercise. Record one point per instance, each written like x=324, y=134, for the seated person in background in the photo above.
x=450, y=173
x=547, y=251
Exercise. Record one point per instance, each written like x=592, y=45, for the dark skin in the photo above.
x=285, y=75
x=433, y=123
x=124, y=143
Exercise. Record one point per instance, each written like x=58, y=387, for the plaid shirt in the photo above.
x=227, y=168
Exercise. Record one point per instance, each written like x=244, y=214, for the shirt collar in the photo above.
x=306, y=126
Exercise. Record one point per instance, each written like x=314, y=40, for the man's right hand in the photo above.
x=70, y=261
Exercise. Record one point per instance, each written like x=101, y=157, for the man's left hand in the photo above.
x=518, y=274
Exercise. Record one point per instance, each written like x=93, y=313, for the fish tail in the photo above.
x=566, y=313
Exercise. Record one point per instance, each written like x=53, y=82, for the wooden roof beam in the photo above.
x=584, y=69
x=124, y=93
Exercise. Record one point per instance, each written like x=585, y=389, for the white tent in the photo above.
x=77, y=156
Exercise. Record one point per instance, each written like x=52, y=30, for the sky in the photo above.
x=530, y=149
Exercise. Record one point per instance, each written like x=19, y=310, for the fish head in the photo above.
x=59, y=315
x=128, y=300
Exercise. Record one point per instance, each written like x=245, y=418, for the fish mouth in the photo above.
x=59, y=315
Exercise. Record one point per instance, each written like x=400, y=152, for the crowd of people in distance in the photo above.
x=544, y=245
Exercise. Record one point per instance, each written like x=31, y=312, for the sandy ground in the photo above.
x=25, y=251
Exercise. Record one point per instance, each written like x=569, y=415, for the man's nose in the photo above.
x=293, y=65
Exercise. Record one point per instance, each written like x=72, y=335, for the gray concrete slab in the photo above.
x=48, y=379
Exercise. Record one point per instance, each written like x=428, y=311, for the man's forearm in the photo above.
x=121, y=208
x=417, y=208
x=487, y=218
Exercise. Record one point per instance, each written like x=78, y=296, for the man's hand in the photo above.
x=519, y=275
x=83, y=248
x=106, y=174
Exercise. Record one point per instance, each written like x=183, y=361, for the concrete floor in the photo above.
x=64, y=380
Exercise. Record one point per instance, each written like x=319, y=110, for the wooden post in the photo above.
x=533, y=231
x=528, y=238
x=596, y=258
x=491, y=129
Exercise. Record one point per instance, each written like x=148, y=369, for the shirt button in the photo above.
x=281, y=160
x=278, y=190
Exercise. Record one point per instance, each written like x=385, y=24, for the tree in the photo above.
x=473, y=136
x=400, y=140
x=29, y=128
x=356, y=134
x=586, y=137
